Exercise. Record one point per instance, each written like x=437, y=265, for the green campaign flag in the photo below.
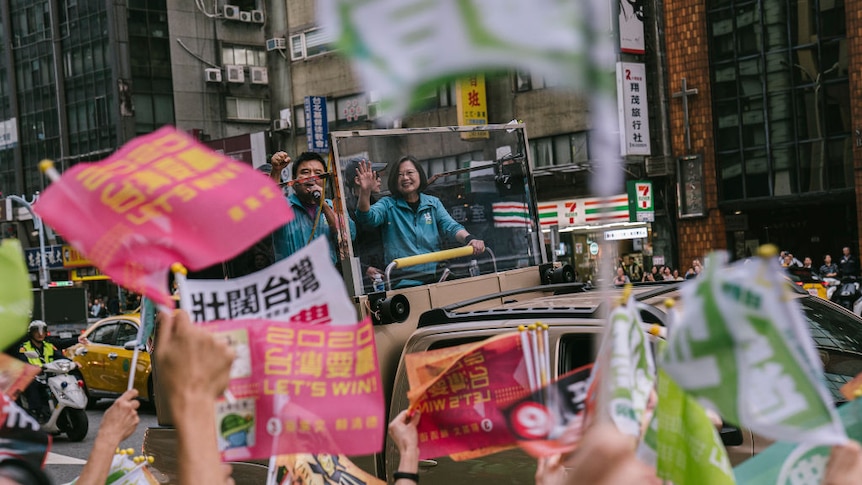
x=16, y=296
x=625, y=369
x=786, y=463
x=688, y=446
x=741, y=347
x=403, y=50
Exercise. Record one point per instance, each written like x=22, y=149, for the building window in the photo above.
x=447, y=164
x=523, y=81
x=243, y=56
x=310, y=44
x=248, y=109
x=781, y=100
x=560, y=150
x=435, y=97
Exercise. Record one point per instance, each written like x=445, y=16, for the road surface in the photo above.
x=66, y=459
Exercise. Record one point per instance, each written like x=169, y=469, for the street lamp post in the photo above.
x=44, y=274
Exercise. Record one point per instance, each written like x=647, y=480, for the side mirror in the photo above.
x=731, y=435
x=130, y=345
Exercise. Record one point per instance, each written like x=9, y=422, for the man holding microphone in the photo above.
x=307, y=174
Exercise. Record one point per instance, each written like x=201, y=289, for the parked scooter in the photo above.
x=66, y=400
x=849, y=294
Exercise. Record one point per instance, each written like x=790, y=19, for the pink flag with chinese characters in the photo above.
x=461, y=392
x=300, y=388
x=163, y=198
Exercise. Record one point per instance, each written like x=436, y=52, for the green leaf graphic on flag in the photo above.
x=689, y=447
x=786, y=463
x=16, y=297
x=742, y=348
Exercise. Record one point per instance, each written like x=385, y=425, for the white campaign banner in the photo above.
x=398, y=47
x=742, y=348
x=625, y=369
x=304, y=287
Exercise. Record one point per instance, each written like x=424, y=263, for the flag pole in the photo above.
x=47, y=167
x=528, y=357
x=547, y=360
x=177, y=268
x=535, y=350
x=137, y=351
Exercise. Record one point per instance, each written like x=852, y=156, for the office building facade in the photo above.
x=774, y=150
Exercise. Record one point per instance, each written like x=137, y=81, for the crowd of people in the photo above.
x=101, y=307
x=629, y=271
x=603, y=456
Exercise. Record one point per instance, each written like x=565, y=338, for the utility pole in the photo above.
x=44, y=274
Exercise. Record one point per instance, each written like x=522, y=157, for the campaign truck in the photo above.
x=482, y=178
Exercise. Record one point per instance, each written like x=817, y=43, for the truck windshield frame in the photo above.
x=479, y=175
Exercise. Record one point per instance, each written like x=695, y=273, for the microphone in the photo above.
x=316, y=194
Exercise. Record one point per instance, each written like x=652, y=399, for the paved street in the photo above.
x=67, y=458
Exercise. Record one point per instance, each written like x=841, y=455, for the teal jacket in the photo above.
x=294, y=235
x=407, y=233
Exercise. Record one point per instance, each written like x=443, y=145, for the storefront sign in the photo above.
x=640, y=201
x=472, y=105
x=91, y=273
x=8, y=133
x=632, y=104
x=632, y=27
x=53, y=258
x=619, y=234
x=690, y=186
x=72, y=258
x=316, y=124
x=580, y=212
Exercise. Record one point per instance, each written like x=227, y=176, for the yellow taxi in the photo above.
x=104, y=353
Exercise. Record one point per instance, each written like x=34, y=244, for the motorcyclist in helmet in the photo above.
x=45, y=353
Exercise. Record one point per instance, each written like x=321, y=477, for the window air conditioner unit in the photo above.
x=212, y=75
x=235, y=74
x=245, y=16
x=276, y=44
x=258, y=75
x=231, y=12
x=280, y=125
x=257, y=16
x=373, y=109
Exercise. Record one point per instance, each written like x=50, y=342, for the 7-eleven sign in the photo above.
x=572, y=211
x=640, y=201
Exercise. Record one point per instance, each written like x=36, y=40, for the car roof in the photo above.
x=559, y=301
x=572, y=300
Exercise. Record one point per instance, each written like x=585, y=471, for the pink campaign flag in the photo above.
x=163, y=198
x=300, y=388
